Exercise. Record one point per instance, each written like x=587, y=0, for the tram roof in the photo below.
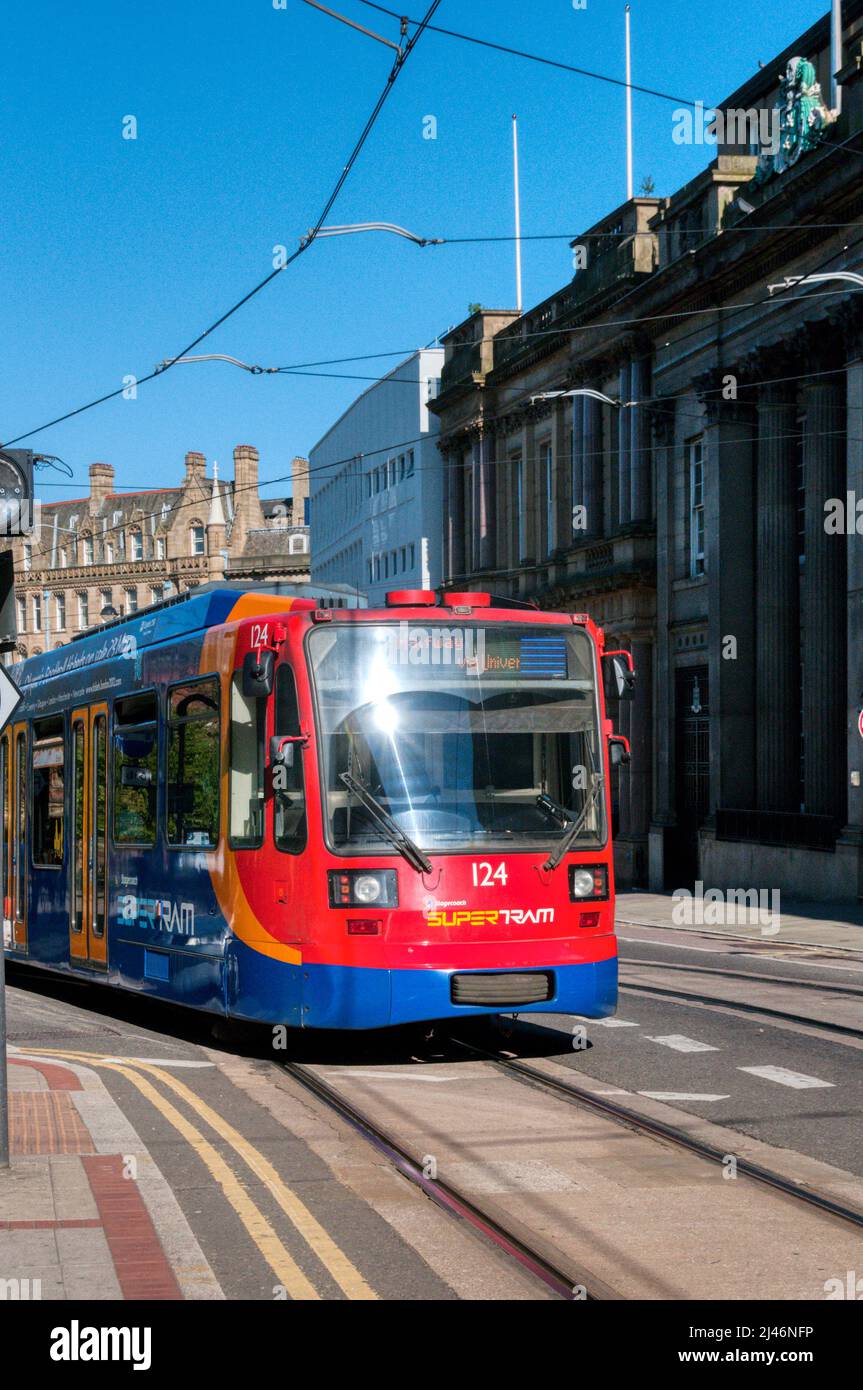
x=174, y=618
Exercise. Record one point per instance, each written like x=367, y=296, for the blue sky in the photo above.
x=115, y=253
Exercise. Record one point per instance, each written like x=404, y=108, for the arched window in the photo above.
x=137, y=540
x=87, y=550
x=197, y=538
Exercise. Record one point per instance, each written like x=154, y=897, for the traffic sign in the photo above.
x=860, y=723
x=10, y=697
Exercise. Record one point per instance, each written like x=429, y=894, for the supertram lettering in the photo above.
x=158, y=914
x=505, y=916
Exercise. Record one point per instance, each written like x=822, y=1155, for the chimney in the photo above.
x=196, y=468
x=300, y=491
x=248, y=514
x=101, y=484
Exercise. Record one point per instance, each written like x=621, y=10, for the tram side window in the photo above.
x=246, y=802
x=136, y=765
x=289, y=796
x=193, y=764
x=47, y=794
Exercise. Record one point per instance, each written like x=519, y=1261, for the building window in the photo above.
x=377, y=568
x=132, y=600
x=160, y=547
x=410, y=463
x=371, y=571
x=169, y=588
x=88, y=550
x=401, y=467
x=413, y=554
x=83, y=611
x=107, y=598
x=28, y=557
x=157, y=593
x=404, y=558
x=137, y=545
x=193, y=764
x=392, y=472
x=197, y=539
x=109, y=552
x=136, y=758
x=64, y=559
x=60, y=605
x=37, y=612
x=696, y=508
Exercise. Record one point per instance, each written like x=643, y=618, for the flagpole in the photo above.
x=517, y=213
x=835, y=55
x=628, y=109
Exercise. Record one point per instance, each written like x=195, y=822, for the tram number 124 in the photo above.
x=485, y=875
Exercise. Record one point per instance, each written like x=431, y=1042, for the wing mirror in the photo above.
x=618, y=676
x=258, y=673
x=282, y=748
x=618, y=750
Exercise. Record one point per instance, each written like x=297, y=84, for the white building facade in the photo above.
x=376, y=485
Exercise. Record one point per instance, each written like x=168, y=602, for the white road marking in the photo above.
x=614, y=1023
x=680, y=1043
x=679, y=1095
x=614, y=1092
x=797, y=1079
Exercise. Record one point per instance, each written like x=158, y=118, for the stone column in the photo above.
x=502, y=503
x=530, y=476
x=777, y=604
x=592, y=455
x=455, y=516
x=639, y=772
x=624, y=448
x=639, y=437
x=486, y=514
x=663, y=817
x=578, y=460
x=824, y=599
x=563, y=475
x=730, y=529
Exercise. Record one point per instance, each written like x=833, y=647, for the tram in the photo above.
x=316, y=816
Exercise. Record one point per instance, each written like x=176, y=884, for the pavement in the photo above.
x=775, y=919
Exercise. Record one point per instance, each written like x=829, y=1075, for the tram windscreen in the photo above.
x=468, y=737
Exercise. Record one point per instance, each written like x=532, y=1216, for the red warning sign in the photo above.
x=860, y=723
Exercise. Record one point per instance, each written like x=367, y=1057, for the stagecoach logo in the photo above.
x=492, y=917
x=158, y=914
x=122, y=646
x=438, y=646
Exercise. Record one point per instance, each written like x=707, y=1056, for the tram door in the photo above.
x=13, y=831
x=88, y=860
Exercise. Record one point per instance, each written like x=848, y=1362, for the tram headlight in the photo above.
x=588, y=882
x=363, y=888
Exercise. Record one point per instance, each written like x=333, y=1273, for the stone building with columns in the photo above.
x=124, y=550
x=705, y=512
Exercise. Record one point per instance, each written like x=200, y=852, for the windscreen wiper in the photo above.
x=390, y=827
x=571, y=836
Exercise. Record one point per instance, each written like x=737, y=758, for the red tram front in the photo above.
x=418, y=812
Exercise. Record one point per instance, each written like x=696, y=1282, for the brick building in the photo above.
x=122, y=551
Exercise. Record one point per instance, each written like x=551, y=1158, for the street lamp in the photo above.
x=790, y=281
x=581, y=391
x=349, y=228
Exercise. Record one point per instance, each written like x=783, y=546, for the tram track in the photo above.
x=660, y=1130
x=830, y=986
x=568, y=1284
x=718, y=1004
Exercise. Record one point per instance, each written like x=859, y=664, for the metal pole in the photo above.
x=517, y=213
x=4, y=1082
x=628, y=111
x=836, y=55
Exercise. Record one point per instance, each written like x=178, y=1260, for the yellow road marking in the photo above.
x=331, y=1256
